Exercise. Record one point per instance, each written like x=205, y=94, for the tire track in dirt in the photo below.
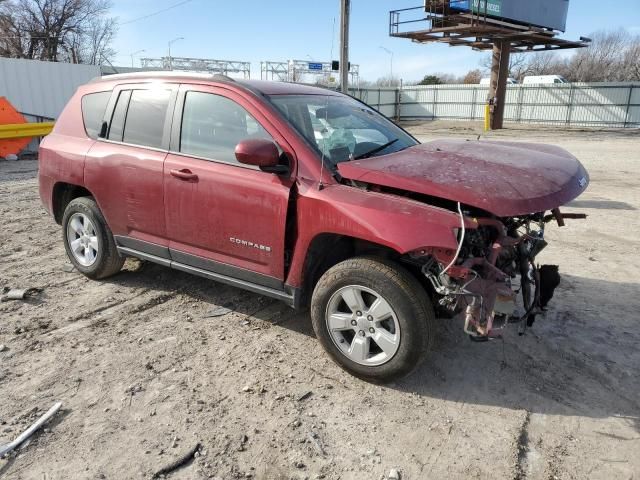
x=522, y=449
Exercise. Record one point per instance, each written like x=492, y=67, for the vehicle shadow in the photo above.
x=580, y=358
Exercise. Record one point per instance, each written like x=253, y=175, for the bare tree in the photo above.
x=472, y=77
x=631, y=61
x=544, y=63
x=57, y=30
x=600, y=62
x=517, y=65
x=612, y=56
x=92, y=46
x=386, y=81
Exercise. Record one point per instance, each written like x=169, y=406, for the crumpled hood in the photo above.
x=503, y=178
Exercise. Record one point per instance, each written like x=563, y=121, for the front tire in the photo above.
x=373, y=318
x=88, y=240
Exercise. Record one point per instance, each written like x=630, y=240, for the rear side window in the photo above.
x=213, y=125
x=93, y=108
x=146, y=117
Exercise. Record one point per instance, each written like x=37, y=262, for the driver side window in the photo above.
x=212, y=126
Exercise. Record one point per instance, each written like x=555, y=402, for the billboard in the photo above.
x=539, y=13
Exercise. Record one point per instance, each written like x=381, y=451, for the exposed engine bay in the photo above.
x=493, y=278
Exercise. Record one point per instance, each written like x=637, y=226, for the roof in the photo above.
x=285, y=88
x=261, y=86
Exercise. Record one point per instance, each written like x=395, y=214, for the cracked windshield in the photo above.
x=340, y=128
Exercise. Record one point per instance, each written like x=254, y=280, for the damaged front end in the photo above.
x=493, y=277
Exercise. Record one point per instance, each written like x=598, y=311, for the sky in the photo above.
x=256, y=30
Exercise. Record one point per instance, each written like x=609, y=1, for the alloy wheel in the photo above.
x=82, y=239
x=363, y=325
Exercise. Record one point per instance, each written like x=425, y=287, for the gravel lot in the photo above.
x=145, y=370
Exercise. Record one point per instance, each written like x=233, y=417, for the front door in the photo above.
x=221, y=215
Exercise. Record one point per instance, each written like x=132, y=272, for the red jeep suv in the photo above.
x=310, y=197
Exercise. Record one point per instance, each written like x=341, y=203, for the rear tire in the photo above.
x=88, y=240
x=373, y=318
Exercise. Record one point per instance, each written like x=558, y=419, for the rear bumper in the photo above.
x=45, y=186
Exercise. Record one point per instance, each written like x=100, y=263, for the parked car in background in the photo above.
x=487, y=81
x=543, y=79
x=311, y=197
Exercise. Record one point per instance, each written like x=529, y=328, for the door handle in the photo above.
x=184, y=174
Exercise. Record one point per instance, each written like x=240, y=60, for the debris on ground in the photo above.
x=19, y=293
x=4, y=449
x=220, y=310
x=315, y=440
x=180, y=462
x=304, y=396
x=394, y=474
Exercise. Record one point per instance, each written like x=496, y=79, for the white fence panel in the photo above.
x=42, y=88
x=578, y=104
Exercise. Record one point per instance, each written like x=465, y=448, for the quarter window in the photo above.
x=213, y=125
x=93, y=108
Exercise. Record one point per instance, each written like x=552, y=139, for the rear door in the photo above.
x=124, y=170
x=221, y=215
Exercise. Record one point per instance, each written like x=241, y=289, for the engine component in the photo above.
x=496, y=262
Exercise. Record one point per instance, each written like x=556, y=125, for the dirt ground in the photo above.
x=146, y=372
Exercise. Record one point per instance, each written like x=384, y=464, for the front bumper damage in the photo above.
x=494, y=281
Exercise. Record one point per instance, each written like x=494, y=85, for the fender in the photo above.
x=402, y=224
x=61, y=154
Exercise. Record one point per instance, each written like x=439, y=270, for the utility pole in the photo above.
x=498, y=85
x=172, y=41
x=135, y=53
x=391, y=66
x=344, y=45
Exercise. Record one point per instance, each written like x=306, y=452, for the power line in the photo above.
x=144, y=17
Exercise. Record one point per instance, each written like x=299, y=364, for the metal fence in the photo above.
x=570, y=104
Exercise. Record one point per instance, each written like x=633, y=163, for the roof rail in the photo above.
x=164, y=74
x=220, y=76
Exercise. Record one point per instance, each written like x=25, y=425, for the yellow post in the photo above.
x=487, y=117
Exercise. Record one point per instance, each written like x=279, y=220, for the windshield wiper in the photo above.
x=376, y=150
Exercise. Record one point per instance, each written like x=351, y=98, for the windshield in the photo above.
x=341, y=128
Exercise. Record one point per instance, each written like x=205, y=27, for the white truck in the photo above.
x=543, y=79
x=487, y=81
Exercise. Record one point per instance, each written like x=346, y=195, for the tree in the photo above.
x=612, y=56
x=77, y=31
x=472, y=77
x=631, y=61
x=387, y=81
x=430, y=80
x=603, y=60
x=544, y=63
x=517, y=65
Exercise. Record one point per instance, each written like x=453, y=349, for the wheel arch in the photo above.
x=328, y=249
x=62, y=195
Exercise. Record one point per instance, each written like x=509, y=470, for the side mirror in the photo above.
x=103, y=130
x=261, y=153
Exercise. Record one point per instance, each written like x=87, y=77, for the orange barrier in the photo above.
x=9, y=115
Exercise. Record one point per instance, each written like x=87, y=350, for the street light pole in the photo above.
x=391, y=64
x=135, y=53
x=173, y=41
